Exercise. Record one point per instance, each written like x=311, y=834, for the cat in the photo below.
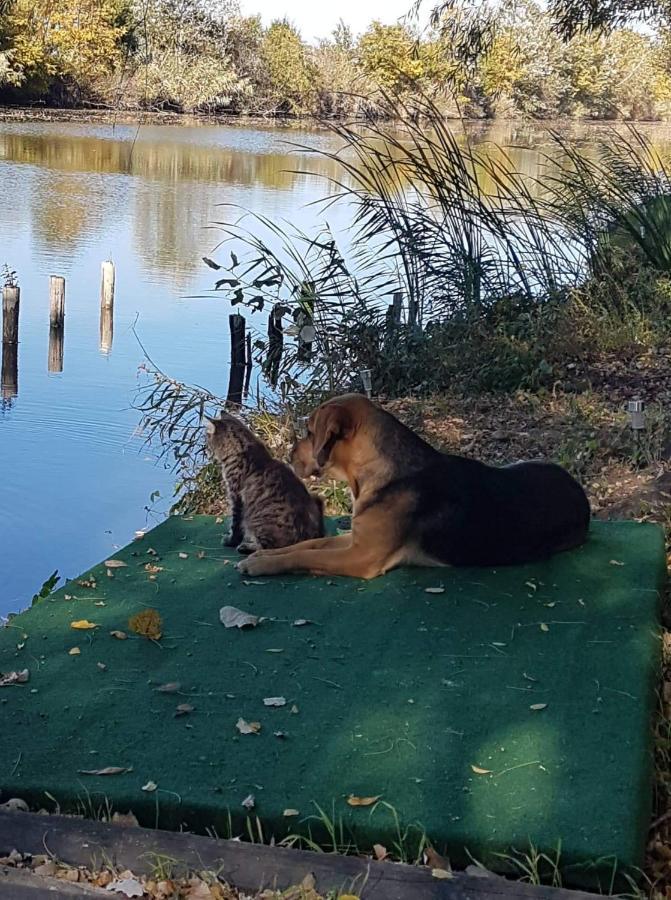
x=270, y=506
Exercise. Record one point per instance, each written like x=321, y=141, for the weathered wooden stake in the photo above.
x=271, y=365
x=249, y=362
x=56, y=301
x=11, y=297
x=9, y=379
x=106, y=328
x=304, y=321
x=107, y=285
x=413, y=313
x=56, y=344
x=237, y=325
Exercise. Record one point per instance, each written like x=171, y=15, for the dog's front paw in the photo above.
x=252, y=565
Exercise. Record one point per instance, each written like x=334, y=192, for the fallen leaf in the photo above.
x=172, y=687
x=100, y=603
x=294, y=709
x=379, y=851
x=19, y=677
x=201, y=554
x=88, y=583
x=218, y=520
x=102, y=666
x=231, y=617
x=138, y=535
x=290, y=812
x=616, y=562
x=433, y=859
x=544, y=627
x=149, y=787
x=152, y=569
x=538, y=706
x=248, y=802
x=279, y=734
x=15, y=804
x=83, y=625
x=74, y=651
x=67, y=596
x=479, y=771
x=530, y=584
x=274, y=701
x=129, y=887
x=184, y=709
x=147, y=623
x=441, y=873
x=362, y=801
x=183, y=555
x=275, y=650
x=151, y=552
x=254, y=582
x=109, y=770
x=248, y=727
x=309, y=882
x=434, y=590
x=119, y=635
x=199, y=890
x=299, y=622
x=115, y=564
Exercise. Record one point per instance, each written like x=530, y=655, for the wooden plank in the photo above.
x=252, y=867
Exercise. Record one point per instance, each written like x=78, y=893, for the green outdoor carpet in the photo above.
x=489, y=709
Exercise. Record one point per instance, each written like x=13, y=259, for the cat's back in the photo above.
x=276, y=494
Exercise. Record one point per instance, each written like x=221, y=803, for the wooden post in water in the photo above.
x=9, y=378
x=236, y=323
x=271, y=365
x=11, y=297
x=107, y=282
x=56, y=344
x=249, y=362
x=56, y=301
x=106, y=329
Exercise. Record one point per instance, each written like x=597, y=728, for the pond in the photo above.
x=75, y=479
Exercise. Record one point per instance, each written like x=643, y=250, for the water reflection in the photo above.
x=9, y=379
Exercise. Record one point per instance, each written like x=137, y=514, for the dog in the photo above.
x=413, y=505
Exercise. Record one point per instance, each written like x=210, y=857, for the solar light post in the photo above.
x=636, y=411
x=367, y=381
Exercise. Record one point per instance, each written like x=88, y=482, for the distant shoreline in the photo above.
x=151, y=117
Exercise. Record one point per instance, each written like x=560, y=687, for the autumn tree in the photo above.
x=289, y=72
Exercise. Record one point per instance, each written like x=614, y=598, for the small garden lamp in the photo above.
x=636, y=410
x=367, y=381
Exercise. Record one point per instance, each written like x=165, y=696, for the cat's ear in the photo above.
x=210, y=425
x=332, y=424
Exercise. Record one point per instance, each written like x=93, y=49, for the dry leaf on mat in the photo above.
x=299, y=622
x=83, y=625
x=183, y=555
x=274, y=701
x=230, y=617
x=379, y=851
x=248, y=802
x=147, y=623
x=184, y=709
x=290, y=812
x=537, y=706
x=125, y=820
x=115, y=564
x=109, y=770
x=434, y=590
x=149, y=787
x=74, y=651
x=544, y=627
x=172, y=687
x=119, y=635
x=129, y=887
x=9, y=678
x=248, y=727
x=362, y=801
x=479, y=771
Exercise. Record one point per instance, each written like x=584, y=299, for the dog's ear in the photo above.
x=332, y=424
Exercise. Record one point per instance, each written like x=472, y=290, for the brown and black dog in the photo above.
x=416, y=506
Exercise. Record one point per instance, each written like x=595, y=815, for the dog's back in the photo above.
x=469, y=513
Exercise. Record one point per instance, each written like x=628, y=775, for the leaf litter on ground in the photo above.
x=108, y=770
x=247, y=727
x=362, y=801
x=231, y=617
x=274, y=701
x=9, y=678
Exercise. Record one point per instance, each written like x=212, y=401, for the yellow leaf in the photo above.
x=115, y=564
x=147, y=623
x=362, y=801
x=479, y=771
x=544, y=627
x=538, y=706
x=83, y=624
x=74, y=651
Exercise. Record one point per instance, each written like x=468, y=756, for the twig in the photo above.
x=326, y=681
x=16, y=764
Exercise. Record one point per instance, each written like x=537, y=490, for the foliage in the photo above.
x=46, y=588
x=288, y=68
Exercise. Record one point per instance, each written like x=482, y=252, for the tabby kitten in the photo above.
x=270, y=506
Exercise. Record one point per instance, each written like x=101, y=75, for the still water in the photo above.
x=75, y=480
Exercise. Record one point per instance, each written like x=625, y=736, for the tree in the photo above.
x=400, y=63
x=288, y=69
